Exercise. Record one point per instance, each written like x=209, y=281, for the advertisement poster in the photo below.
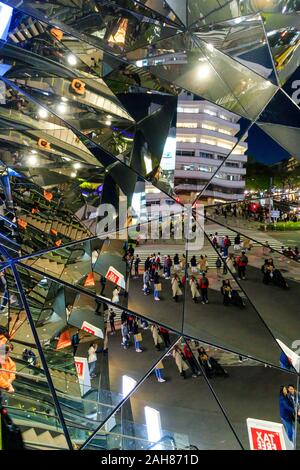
x=266, y=435
x=83, y=374
x=115, y=277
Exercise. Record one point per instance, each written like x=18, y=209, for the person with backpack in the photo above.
x=241, y=262
x=203, y=285
x=215, y=240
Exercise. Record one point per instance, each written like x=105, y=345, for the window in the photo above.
x=224, y=146
x=185, y=153
x=210, y=112
x=206, y=155
x=189, y=125
x=188, y=110
x=208, y=126
x=224, y=131
x=221, y=157
x=190, y=140
x=226, y=118
x=205, y=168
x=232, y=165
x=233, y=177
x=208, y=141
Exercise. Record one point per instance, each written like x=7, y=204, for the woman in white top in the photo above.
x=175, y=288
x=115, y=297
x=230, y=263
x=194, y=288
x=92, y=358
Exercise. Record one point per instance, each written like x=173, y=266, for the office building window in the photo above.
x=206, y=155
x=185, y=153
x=209, y=127
x=188, y=125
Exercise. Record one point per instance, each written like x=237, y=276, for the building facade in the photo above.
x=206, y=134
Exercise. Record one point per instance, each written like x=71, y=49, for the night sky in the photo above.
x=263, y=148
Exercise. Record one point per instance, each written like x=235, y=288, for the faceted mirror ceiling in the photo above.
x=89, y=105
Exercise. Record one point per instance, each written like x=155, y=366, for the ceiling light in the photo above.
x=210, y=47
x=62, y=108
x=77, y=165
x=71, y=59
x=32, y=160
x=42, y=113
x=73, y=174
x=108, y=123
x=63, y=98
x=203, y=71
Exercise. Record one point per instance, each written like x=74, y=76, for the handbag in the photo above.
x=158, y=287
x=138, y=337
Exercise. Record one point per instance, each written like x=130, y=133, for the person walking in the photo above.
x=159, y=372
x=156, y=336
x=203, y=285
x=189, y=357
x=157, y=286
x=237, y=242
x=92, y=359
x=125, y=335
x=226, y=291
x=146, y=282
x=179, y=360
x=75, y=342
x=218, y=266
x=230, y=263
x=176, y=262
x=175, y=288
x=137, y=337
x=183, y=263
x=193, y=262
x=164, y=333
x=169, y=266
x=287, y=412
x=242, y=262
x=194, y=288
x=137, y=261
x=202, y=264
x=112, y=317
x=115, y=296
x=102, y=284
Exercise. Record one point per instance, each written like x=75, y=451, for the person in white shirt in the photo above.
x=95, y=255
x=115, y=297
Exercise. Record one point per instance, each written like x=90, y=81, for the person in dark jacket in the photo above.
x=287, y=412
x=285, y=363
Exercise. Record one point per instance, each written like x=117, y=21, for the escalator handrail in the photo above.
x=162, y=439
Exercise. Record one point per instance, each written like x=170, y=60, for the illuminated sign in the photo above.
x=169, y=155
x=5, y=18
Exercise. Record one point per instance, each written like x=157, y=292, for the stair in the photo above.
x=26, y=30
x=44, y=440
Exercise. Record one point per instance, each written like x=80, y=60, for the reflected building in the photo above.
x=205, y=135
x=93, y=95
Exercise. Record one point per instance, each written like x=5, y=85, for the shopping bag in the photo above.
x=138, y=337
x=158, y=287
